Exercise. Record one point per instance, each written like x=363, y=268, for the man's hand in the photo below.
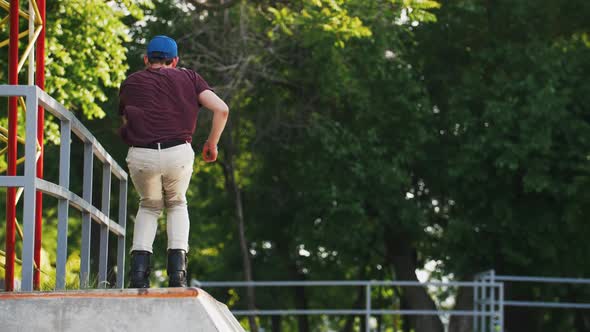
x=209, y=152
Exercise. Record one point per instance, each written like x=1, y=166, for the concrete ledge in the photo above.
x=165, y=309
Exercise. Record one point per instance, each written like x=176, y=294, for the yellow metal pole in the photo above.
x=32, y=38
x=29, y=48
x=21, y=35
x=23, y=104
x=6, y=5
x=2, y=253
x=38, y=19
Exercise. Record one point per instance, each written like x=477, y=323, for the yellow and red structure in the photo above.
x=35, y=53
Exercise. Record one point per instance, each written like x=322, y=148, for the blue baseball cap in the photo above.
x=162, y=47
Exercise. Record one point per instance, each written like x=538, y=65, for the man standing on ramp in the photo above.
x=159, y=106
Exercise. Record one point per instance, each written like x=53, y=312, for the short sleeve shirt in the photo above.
x=160, y=105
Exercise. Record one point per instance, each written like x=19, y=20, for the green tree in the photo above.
x=510, y=101
x=288, y=72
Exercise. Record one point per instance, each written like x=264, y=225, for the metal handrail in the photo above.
x=552, y=305
x=92, y=148
x=304, y=312
x=340, y=283
x=547, y=280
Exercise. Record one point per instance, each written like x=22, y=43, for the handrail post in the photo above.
x=86, y=220
x=121, y=239
x=368, y=307
x=63, y=205
x=501, y=307
x=475, y=319
x=483, y=300
x=104, y=229
x=492, y=300
x=40, y=81
x=487, y=308
x=29, y=193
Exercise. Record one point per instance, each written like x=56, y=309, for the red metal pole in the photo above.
x=40, y=80
x=12, y=147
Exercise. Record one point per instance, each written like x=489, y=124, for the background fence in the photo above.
x=489, y=299
x=489, y=316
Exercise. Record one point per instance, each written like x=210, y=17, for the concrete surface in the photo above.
x=129, y=310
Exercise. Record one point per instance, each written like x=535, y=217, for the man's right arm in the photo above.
x=220, y=111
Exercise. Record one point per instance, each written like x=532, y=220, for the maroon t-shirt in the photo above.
x=160, y=105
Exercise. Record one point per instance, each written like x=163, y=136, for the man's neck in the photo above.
x=158, y=66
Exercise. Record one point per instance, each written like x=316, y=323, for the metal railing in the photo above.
x=490, y=276
x=29, y=181
x=489, y=300
x=492, y=314
x=485, y=297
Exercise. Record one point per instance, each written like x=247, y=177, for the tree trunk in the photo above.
x=300, y=301
x=234, y=189
x=275, y=322
x=582, y=321
x=520, y=319
x=235, y=192
x=301, y=304
x=402, y=256
x=405, y=325
x=349, y=325
x=581, y=317
x=464, y=302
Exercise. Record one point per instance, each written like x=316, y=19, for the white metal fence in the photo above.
x=490, y=314
x=489, y=298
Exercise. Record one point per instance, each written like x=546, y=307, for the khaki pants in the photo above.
x=161, y=178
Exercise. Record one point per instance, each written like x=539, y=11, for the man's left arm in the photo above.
x=220, y=111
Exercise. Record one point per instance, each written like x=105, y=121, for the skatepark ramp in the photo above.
x=125, y=310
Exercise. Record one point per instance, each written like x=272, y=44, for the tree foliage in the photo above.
x=85, y=51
